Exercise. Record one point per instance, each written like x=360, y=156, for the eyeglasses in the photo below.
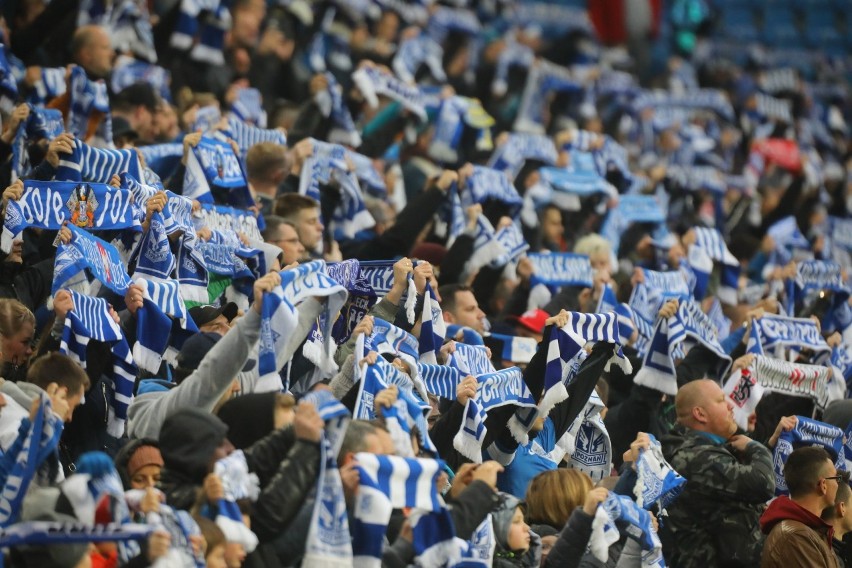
x=838, y=478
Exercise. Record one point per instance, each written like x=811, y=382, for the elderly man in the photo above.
x=715, y=521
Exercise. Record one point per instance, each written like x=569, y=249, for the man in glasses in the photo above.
x=797, y=536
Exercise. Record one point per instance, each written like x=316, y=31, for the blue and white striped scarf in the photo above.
x=711, y=241
x=648, y=297
x=329, y=543
x=49, y=85
x=417, y=51
x=247, y=135
x=360, y=300
x=445, y=19
x=556, y=270
x=84, y=254
x=657, y=483
x=373, y=82
x=478, y=552
x=510, y=156
x=279, y=314
x=631, y=209
x=841, y=359
x=248, y=107
x=91, y=320
x=327, y=164
x=514, y=54
x=618, y=508
x=42, y=439
x=226, y=219
x=543, y=79
x=331, y=104
x=578, y=180
x=703, y=99
x=87, y=97
x=86, y=163
x=698, y=178
x=689, y=323
x=378, y=275
x=454, y=114
x=213, y=164
x=389, y=339
x=387, y=483
x=433, y=329
x=128, y=71
x=814, y=275
x=8, y=84
x=489, y=183
x=237, y=483
x=50, y=204
x=40, y=124
x=789, y=241
x=204, y=38
x=47, y=533
x=807, y=432
x=776, y=333
x=163, y=158
x=370, y=178
x=162, y=324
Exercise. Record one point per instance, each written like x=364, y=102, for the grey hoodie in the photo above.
x=213, y=377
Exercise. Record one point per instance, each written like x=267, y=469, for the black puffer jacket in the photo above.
x=287, y=468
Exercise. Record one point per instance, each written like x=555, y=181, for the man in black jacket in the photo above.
x=286, y=461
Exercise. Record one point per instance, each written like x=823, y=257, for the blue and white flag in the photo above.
x=657, y=483
x=329, y=543
x=279, y=314
x=688, y=323
x=387, y=483
x=807, y=432
x=512, y=154
x=85, y=253
x=374, y=82
x=211, y=165
x=50, y=204
x=91, y=320
x=556, y=270
x=41, y=440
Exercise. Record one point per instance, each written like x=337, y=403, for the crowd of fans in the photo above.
x=440, y=283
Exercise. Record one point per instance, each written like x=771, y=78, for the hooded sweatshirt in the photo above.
x=796, y=537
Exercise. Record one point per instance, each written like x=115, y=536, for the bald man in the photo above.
x=91, y=48
x=715, y=522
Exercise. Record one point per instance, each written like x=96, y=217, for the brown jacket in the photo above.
x=792, y=543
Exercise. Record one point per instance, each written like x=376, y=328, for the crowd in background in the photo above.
x=438, y=283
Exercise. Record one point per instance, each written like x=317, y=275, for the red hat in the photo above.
x=533, y=320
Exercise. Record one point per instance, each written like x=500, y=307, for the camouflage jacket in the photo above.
x=715, y=521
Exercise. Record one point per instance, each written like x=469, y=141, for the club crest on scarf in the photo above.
x=82, y=205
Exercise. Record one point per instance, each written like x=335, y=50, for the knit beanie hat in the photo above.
x=188, y=439
x=249, y=417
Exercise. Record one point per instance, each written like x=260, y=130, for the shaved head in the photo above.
x=702, y=405
x=688, y=397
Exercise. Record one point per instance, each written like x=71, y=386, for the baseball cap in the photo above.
x=196, y=348
x=202, y=315
x=533, y=320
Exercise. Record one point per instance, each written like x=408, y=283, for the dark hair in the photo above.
x=843, y=494
x=448, y=295
x=355, y=439
x=803, y=469
x=272, y=224
x=60, y=369
x=290, y=205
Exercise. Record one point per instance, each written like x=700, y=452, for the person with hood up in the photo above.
x=517, y=545
x=286, y=462
x=796, y=535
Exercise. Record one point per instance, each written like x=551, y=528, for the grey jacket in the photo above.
x=213, y=377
